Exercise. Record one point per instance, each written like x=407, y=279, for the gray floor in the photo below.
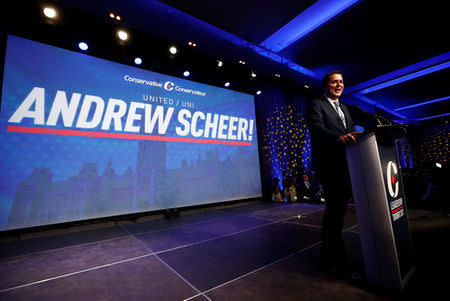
x=254, y=251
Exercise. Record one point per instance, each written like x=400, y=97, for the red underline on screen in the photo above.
x=397, y=209
x=48, y=131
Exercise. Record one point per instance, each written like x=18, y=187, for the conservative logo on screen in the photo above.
x=168, y=86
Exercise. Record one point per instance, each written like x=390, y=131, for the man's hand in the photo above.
x=349, y=138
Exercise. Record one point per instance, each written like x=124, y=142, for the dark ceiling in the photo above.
x=368, y=40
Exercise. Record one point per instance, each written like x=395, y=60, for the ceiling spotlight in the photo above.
x=242, y=62
x=306, y=86
x=186, y=73
x=253, y=74
x=219, y=63
x=190, y=43
x=277, y=75
x=118, y=18
x=173, y=50
x=123, y=35
x=83, y=46
x=138, y=61
x=49, y=12
x=258, y=92
x=111, y=15
x=227, y=84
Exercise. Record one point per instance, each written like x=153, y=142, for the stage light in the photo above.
x=186, y=73
x=122, y=35
x=192, y=44
x=138, y=61
x=111, y=15
x=118, y=18
x=277, y=75
x=50, y=12
x=219, y=63
x=306, y=86
x=253, y=74
x=173, y=50
x=83, y=46
x=227, y=84
x=258, y=92
x=438, y=165
x=242, y=62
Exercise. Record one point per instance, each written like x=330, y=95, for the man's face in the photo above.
x=335, y=86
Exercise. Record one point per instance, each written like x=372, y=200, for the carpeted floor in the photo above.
x=250, y=251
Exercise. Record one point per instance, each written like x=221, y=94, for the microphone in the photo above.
x=357, y=110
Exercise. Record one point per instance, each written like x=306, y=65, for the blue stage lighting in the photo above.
x=422, y=68
x=83, y=46
x=431, y=117
x=423, y=103
x=406, y=77
x=312, y=18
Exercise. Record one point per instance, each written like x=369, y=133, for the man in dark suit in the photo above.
x=306, y=190
x=331, y=128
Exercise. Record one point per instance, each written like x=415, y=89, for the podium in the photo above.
x=380, y=207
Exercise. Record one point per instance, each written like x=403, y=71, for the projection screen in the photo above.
x=83, y=137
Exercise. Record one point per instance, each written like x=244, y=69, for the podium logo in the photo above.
x=392, y=179
x=169, y=86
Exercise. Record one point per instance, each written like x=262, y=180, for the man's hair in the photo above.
x=327, y=76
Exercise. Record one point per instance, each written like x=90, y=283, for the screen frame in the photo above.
x=134, y=215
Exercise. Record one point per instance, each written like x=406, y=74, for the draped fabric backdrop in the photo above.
x=284, y=143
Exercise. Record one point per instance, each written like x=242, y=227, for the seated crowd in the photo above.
x=308, y=189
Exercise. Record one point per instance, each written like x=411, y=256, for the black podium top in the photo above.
x=387, y=131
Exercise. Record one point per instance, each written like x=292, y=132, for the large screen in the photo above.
x=82, y=138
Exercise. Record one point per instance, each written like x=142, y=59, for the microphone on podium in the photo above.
x=367, y=115
x=383, y=126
